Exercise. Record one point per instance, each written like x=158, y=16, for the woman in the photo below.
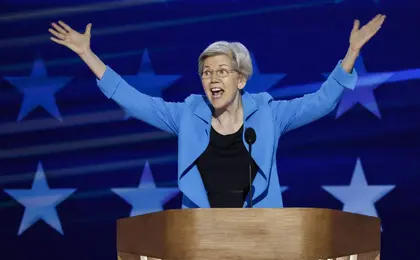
x=213, y=155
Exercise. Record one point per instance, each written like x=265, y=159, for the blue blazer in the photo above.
x=190, y=120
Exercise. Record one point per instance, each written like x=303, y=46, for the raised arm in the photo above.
x=297, y=112
x=152, y=110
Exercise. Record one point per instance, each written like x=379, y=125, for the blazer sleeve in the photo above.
x=294, y=113
x=152, y=110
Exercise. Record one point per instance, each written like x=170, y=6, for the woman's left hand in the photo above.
x=359, y=36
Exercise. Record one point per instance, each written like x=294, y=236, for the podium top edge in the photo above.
x=268, y=210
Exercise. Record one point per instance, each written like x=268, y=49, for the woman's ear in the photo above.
x=241, y=82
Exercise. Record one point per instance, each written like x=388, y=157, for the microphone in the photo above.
x=250, y=137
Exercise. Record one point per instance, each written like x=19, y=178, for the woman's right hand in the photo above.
x=65, y=35
x=79, y=43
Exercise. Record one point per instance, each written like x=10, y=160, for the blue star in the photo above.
x=39, y=90
x=40, y=202
x=359, y=197
x=147, y=82
x=146, y=198
x=261, y=82
x=363, y=93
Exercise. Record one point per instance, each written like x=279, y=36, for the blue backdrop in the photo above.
x=72, y=162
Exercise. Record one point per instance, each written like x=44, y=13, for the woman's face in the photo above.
x=220, y=82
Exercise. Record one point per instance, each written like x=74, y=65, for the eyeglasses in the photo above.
x=221, y=73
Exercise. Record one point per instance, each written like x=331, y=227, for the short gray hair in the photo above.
x=241, y=59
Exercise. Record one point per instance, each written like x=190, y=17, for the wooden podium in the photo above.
x=244, y=233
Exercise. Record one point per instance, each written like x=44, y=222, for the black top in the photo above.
x=224, y=168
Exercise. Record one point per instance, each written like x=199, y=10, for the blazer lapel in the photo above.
x=194, y=142
x=254, y=117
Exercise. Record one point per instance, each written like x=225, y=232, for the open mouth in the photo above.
x=216, y=92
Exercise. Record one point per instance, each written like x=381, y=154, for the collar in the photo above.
x=204, y=108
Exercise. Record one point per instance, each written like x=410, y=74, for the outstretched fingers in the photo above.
x=65, y=26
x=58, y=28
x=375, y=22
x=56, y=34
